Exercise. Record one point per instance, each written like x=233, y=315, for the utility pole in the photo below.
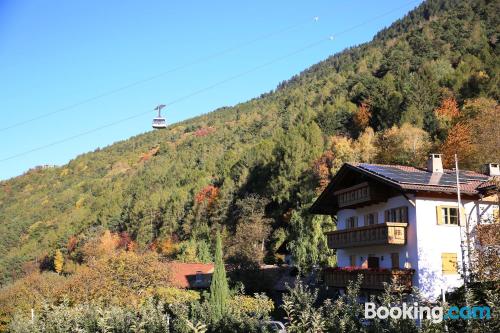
x=463, y=247
x=466, y=222
x=459, y=213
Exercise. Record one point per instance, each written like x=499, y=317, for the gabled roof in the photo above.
x=184, y=274
x=402, y=179
x=411, y=178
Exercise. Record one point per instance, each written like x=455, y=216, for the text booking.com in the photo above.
x=436, y=314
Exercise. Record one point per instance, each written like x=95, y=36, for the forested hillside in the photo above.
x=427, y=83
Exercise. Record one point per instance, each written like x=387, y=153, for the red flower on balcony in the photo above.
x=355, y=269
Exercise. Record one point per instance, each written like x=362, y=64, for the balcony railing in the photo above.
x=353, y=195
x=372, y=279
x=388, y=233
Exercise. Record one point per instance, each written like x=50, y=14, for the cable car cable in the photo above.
x=156, y=76
x=308, y=46
x=197, y=92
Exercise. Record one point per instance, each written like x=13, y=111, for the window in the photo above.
x=373, y=262
x=399, y=214
x=496, y=218
x=398, y=233
x=352, y=222
x=447, y=215
x=352, y=261
x=449, y=263
x=199, y=276
x=395, y=260
x=371, y=219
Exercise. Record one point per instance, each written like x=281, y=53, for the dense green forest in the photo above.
x=429, y=82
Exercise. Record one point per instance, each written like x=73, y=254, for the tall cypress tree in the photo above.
x=219, y=290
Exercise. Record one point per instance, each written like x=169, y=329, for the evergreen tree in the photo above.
x=219, y=290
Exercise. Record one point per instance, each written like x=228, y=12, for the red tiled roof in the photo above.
x=487, y=185
x=184, y=273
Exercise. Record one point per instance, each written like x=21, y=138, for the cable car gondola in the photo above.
x=159, y=122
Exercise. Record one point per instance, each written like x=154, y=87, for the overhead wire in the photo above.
x=197, y=92
x=156, y=76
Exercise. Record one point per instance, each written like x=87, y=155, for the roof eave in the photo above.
x=348, y=166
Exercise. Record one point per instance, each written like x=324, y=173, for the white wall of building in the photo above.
x=426, y=240
x=407, y=253
x=434, y=239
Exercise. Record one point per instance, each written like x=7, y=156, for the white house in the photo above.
x=402, y=222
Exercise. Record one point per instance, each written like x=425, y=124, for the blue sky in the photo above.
x=58, y=53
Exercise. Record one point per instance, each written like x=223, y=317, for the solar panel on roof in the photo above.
x=421, y=178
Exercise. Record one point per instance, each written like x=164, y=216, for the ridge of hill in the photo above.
x=249, y=167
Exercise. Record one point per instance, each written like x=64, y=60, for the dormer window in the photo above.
x=199, y=277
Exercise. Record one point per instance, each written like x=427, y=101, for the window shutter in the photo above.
x=394, y=260
x=449, y=263
x=439, y=214
x=462, y=216
x=496, y=217
x=355, y=222
x=366, y=220
x=375, y=218
x=387, y=215
x=404, y=214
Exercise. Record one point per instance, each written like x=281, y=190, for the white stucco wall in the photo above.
x=426, y=240
x=407, y=252
x=434, y=239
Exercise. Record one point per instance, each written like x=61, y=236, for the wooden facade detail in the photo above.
x=353, y=195
x=388, y=233
x=372, y=279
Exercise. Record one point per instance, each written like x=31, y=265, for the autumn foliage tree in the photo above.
x=362, y=116
x=446, y=115
x=460, y=142
x=407, y=145
x=58, y=262
x=482, y=115
x=167, y=246
x=343, y=151
x=247, y=247
x=448, y=108
x=364, y=146
x=207, y=194
x=322, y=170
x=71, y=244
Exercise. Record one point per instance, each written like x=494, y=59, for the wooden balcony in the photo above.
x=372, y=279
x=388, y=233
x=354, y=195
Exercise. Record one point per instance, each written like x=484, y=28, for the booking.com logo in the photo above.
x=435, y=314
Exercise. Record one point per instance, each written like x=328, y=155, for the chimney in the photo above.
x=434, y=163
x=491, y=169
